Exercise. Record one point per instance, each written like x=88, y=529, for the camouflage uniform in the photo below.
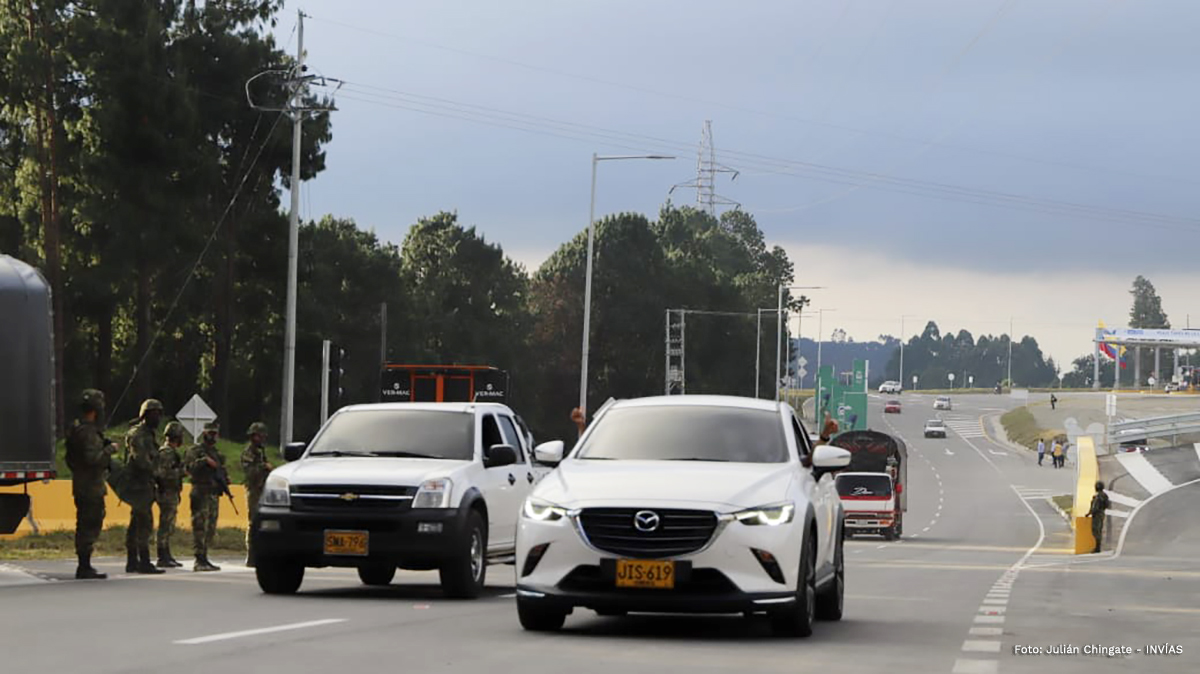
x=141, y=455
x=206, y=495
x=1098, y=511
x=256, y=468
x=88, y=457
x=168, y=474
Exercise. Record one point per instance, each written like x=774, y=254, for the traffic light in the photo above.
x=337, y=372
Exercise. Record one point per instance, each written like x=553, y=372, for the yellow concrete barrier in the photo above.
x=1085, y=489
x=54, y=508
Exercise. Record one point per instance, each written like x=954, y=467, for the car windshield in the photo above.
x=687, y=433
x=864, y=486
x=893, y=402
x=421, y=434
x=936, y=423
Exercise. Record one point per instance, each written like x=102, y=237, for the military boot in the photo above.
x=131, y=560
x=86, y=571
x=174, y=563
x=202, y=564
x=144, y=564
x=163, y=558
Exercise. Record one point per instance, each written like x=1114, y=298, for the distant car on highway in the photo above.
x=1133, y=440
x=942, y=403
x=891, y=407
x=892, y=387
x=935, y=428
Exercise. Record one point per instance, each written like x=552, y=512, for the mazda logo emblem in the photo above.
x=646, y=521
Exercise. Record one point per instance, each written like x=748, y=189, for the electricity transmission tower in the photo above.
x=707, y=169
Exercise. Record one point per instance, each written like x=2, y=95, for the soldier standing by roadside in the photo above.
x=256, y=467
x=1098, y=512
x=141, y=455
x=168, y=473
x=88, y=456
x=203, y=462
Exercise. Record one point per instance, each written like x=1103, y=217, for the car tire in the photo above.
x=377, y=575
x=831, y=598
x=463, y=575
x=539, y=618
x=275, y=577
x=797, y=620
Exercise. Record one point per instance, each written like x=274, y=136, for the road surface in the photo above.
x=983, y=568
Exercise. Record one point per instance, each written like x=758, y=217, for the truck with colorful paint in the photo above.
x=873, y=487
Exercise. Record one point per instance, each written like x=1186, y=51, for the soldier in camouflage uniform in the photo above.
x=202, y=463
x=141, y=455
x=88, y=457
x=256, y=467
x=169, y=474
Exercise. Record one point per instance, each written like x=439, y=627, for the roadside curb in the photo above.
x=1060, y=511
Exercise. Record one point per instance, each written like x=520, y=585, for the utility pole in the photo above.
x=383, y=326
x=296, y=108
x=1010, y=341
x=324, y=381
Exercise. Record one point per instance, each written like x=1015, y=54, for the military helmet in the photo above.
x=211, y=426
x=92, y=399
x=174, y=430
x=258, y=427
x=1099, y=486
x=150, y=404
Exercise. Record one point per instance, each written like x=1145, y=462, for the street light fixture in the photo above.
x=587, y=292
x=780, y=333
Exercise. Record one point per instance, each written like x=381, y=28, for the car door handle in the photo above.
x=529, y=477
x=511, y=480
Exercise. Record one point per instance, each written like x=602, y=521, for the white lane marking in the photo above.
x=993, y=619
x=1117, y=513
x=992, y=610
x=262, y=630
x=1197, y=448
x=948, y=452
x=1132, y=515
x=964, y=666
x=987, y=631
x=995, y=601
x=997, y=452
x=1144, y=472
x=981, y=646
x=1122, y=499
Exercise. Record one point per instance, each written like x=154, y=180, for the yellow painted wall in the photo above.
x=54, y=508
x=1085, y=489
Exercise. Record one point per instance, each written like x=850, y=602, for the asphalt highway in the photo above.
x=983, y=569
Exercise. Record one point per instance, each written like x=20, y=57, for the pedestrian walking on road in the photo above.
x=141, y=455
x=257, y=468
x=1098, y=512
x=1041, y=450
x=88, y=456
x=1053, y=401
x=202, y=463
x=1057, y=454
x=169, y=474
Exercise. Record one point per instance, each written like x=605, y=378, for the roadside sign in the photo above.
x=971, y=380
x=802, y=373
x=951, y=376
x=1110, y=405
x=802, y=361
x=194, y=415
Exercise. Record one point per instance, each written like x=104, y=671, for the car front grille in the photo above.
x=679, y=532
x=351, y=498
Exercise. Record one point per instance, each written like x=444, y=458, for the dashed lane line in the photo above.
x=225, y=636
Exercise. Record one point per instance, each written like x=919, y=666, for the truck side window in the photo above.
x=512, y=437
x=491, y=432
x=802, y=444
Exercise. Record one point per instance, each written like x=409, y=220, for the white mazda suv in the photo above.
x=685, y=504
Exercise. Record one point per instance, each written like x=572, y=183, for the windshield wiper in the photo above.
x=407, y=455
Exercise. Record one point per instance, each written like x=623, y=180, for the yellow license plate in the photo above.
x=645, y=573
x=346, y=543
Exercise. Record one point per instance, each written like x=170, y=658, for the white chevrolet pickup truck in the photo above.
x=398, y=485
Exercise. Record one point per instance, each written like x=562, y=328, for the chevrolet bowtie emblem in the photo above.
x=348, y=496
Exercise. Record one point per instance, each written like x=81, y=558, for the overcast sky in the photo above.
x=965, y=162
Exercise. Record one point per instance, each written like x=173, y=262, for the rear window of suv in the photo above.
x=418, y=434
x=687, y=433
x=864, y=485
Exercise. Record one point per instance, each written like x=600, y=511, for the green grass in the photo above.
x=232, y=451
x=1022, y=428
x=1064, y=501
x=61, y=544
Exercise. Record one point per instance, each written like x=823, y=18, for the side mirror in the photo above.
x=499, y=455
x=294, y=450
x=549, y=453
x=827, y=459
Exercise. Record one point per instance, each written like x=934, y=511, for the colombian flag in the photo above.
x=1110, y=350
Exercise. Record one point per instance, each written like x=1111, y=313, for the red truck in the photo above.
x=27, y=394
x=873, y=487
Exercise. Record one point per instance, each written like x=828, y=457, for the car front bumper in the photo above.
x=392, y=538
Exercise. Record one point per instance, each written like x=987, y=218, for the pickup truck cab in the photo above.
x=417, y=486
x=869, y=500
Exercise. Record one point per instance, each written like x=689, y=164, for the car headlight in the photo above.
x=433, y=494
x=772, y=515
x=543, y=511
x=276, y=492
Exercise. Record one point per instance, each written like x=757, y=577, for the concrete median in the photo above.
x=1085, y=489
x=53, y=508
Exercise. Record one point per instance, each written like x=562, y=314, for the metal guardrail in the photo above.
x=1153, y=427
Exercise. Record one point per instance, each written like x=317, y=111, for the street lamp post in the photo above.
x=1010, y=341
x=780, y=332
x=821, y=334
x=587, y=291
x=901, y=378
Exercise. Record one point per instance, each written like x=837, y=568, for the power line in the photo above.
x=788, y=167
x=409, y=40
